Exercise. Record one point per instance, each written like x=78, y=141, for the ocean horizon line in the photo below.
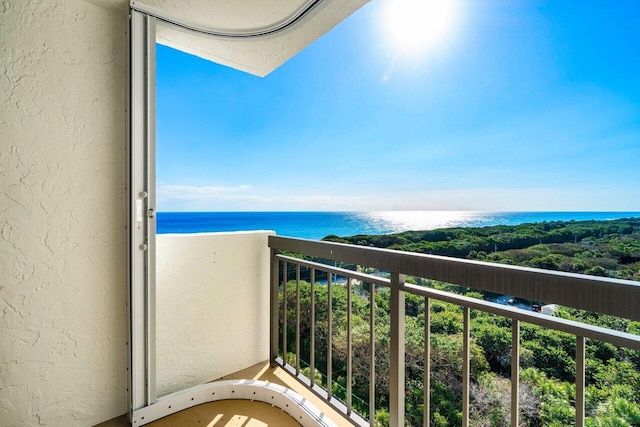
x=404, y=210
x=319, y=224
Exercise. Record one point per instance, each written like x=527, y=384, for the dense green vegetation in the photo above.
x=603, y=248
x=547, y=375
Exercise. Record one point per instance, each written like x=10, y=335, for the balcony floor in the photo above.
x=232, y=413
x=229, y=413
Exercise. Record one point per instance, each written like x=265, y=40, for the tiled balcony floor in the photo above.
x=245, y=413
x=228, y=413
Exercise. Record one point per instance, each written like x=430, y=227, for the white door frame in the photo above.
x=141, y=211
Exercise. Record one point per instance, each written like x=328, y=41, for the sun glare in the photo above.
x=414, y=26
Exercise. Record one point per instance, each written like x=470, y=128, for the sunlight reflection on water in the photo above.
x=424, y=220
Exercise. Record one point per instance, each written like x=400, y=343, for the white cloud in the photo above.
x=190, y=192
x=252, y=198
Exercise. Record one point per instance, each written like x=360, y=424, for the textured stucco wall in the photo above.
x=62, y=142
x=212, y=306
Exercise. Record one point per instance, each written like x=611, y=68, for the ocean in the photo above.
x=316, y=225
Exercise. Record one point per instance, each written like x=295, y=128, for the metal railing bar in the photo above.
x=580, y=380
x=466, y=364
x=515, y=373
x=372, y=354
x=312, y=313
x=599, y=294
x=349, y=348
x=342, y=272
x=329, y=337
x=297, y=319
x=617, y=338
x=284, y=309
x=426, y=383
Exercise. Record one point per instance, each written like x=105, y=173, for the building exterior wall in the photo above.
x=212, y=306
x=62, y=185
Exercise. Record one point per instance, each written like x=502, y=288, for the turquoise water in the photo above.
x=316, y=225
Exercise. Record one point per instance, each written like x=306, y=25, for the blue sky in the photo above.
x=523, y=105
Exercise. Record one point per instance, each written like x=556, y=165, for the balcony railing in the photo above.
x=602, y=295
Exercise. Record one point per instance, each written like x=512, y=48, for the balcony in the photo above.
x=233, y=302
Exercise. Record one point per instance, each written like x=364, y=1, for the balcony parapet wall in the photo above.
x=212, y=306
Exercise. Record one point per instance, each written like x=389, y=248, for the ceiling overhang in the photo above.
x=256, y=36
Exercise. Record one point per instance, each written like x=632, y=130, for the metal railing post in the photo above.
x=515, y=373
x=580, y=380
x=298, y=319
x=372, y=354
x=285, y=328
x=329, y=339
x=466, y=364
x=274, y=309
x=312, y=332
x=349, y=350
x=426, y=383
x=397, y=356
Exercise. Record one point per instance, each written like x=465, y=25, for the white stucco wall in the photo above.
x=212, y=306
x=62, y=163
x=62, y=241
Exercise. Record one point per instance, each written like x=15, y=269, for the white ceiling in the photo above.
x=235, y=16
x=229, y=32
